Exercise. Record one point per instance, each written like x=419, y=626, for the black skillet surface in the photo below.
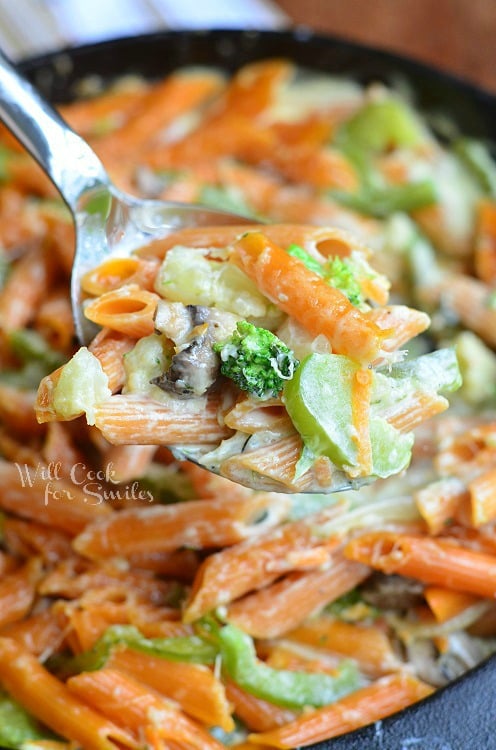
x=463, y=715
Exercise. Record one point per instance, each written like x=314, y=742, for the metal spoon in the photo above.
x=108, y=221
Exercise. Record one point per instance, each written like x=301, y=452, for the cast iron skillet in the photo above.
x=460, y=716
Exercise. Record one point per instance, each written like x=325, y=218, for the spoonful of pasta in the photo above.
x=267, y=354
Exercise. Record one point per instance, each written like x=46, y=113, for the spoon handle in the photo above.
x=69, y=162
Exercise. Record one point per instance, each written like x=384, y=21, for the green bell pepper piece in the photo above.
x=381, y=125
x=381, y=201
x=301, y=254
x=191, y=649
x=477, y=157
x=281, y=686
x=391, y=449
x=37, y=357
x=318, y=401
x=18, y=727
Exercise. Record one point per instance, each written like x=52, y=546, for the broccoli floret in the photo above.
x=341, y=275
x=300, y=254
x=256, y=360
x=338, y=273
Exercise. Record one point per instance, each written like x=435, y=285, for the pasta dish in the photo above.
x=146, y=602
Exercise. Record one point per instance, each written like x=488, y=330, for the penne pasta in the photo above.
x=196, y=524
x=366, y=644
x=291, y=286
x=132, y=419
x=382, y=698
x=284, y=605
x=193, y=686
x=127, y=309
x=258, y=715
x=17, y=591
x=25, y=289
x=130, y=704
x=434, y=561
x=30, y=494
x=49, y=699
x=250, y=565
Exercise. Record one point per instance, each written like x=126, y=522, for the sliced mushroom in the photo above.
x=392, y=592
x=194, y=329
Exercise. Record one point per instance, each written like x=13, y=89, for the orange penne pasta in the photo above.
x=132, y=705
x=284, y=605
x=439, y=501
x=17, y=225
x=17, y=411
x=231, y=573
x=128, y=418
x=7, y=563
x=253, y=88
x=157, y=108
x=117, y=272
x=55, y=322
x=465, y=452
x=251, y=417
x=196, y=524
x=366, y=644
x=85, y=625
x=415, y=409
x=17, y=591
x=206, y=485
x=59, y=235
x=14, y=450
x=277, y=465
x=59, y=449
x=25, y=288
x=74, y=577
x=193, y=686
x=129, y=461
x=435, y=561
x=30, y=493
x=256, y=714
x=41, y=633
x=231, y=126
x=127, y=309
x=485, y=243
x=376, y=701
x=49, y=700
x=468, y=298
x=445, y=604
x=109, y=109
x=284, y=654
x=181, y=564
x=109, y=347
x=26, y=173
x=328, y=241
x=402, y=323
x=482, y=491
x=320, y=308
x=25, y=538
x=322, y=168
x=44, y=398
